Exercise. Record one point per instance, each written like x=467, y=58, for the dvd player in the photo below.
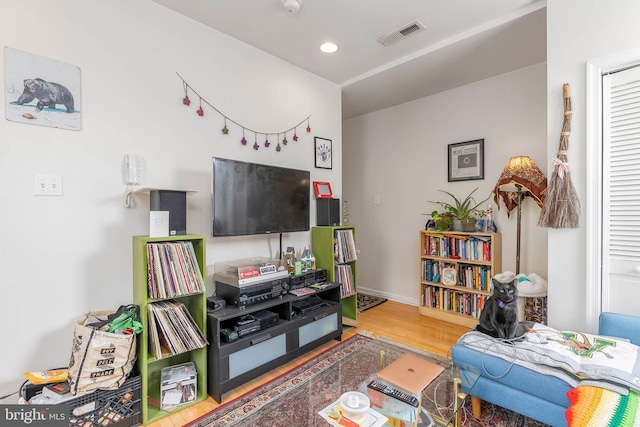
x=307, y=305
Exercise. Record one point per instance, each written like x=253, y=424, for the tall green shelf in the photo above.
x=150, y=368
x=322, y=245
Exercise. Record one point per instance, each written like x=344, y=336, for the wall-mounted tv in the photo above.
x=250, y=198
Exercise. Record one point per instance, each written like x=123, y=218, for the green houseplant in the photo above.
x=462, y=209
x=443, y=220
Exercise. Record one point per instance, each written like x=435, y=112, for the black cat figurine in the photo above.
x=499, y=317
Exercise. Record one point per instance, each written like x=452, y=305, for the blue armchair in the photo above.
x=527, y=392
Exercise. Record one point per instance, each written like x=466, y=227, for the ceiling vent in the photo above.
x=401, y=33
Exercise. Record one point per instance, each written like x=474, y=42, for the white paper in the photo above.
x=370, y=418
x=171, y=398
x=158, y=223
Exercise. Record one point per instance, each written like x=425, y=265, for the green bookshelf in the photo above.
x=149, y=367
x=322, y=244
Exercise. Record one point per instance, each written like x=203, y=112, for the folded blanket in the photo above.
x=598, y=407
x=577, y=358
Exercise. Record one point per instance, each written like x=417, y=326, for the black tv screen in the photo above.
x=250, y=198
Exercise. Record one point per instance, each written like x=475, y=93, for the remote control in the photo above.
x=394, y=392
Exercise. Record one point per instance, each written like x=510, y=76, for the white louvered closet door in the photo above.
x=621, y=192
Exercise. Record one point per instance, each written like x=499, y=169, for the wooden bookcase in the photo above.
x=323, y=247
x=475, y=258
x=149, y=367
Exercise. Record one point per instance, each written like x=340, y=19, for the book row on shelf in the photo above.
x=344, y=276
x=470, y=276
x=454, y=301
x=172, y=329
x=173, y=270
x=474, y=248
x=344, y=246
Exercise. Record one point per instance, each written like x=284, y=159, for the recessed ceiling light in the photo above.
x=328, y=47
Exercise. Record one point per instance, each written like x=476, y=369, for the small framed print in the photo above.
x=466, y=160
x=322, y=190
x=323, y=153
x=449, y=276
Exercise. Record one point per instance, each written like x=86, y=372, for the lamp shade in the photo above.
x=520, y=171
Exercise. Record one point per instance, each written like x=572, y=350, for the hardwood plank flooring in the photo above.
x=394, y=320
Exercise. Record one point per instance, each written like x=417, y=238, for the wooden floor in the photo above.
x=399, y=322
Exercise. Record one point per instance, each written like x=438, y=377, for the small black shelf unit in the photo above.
x=231, y=364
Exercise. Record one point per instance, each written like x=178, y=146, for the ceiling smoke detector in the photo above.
x=292, y=6
x=401, y=33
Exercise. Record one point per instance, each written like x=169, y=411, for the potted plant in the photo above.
x=442, y=221
x=462, y=210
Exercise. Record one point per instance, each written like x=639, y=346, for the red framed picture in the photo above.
x=323, y=190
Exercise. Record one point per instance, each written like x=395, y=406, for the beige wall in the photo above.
x=64, y=256
x=578, y=32
x=400, y=154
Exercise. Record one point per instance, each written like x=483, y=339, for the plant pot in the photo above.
x=468, y=224
x=444, y=224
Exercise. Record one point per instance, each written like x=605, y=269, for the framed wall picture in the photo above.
x=322, y=190
x=42, y=91
x=449, y=276
x=466, y=160
x=323, y=153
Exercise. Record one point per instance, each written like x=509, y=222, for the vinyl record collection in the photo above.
x=344, y=246
x=173, y=270
x=344, y=252
x=172, y=330
x=344, y=276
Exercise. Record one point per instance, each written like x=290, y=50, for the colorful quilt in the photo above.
x=598, y=407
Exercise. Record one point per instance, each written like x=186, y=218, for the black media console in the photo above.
x=264, y=342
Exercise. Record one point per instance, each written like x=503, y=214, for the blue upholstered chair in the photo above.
x=538, y=396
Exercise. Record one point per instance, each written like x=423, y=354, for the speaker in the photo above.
x=176, y=203
x=328, y=211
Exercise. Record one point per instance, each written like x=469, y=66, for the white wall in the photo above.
x=400, y=154
x=64, y=256
x=578, y=32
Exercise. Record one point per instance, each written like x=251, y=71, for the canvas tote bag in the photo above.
x=101, y=359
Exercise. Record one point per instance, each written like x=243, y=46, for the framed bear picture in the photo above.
x=41, y=91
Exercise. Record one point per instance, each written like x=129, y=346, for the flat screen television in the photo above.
x=250, y=198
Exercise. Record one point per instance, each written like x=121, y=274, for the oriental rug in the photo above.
x=365, y=301
x=294, y=398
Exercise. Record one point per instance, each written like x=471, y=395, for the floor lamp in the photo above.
x=521, y=178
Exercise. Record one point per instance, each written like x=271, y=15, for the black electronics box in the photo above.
x=267, y=318
x=307, y=305
x=328, y=212
x=214, y=303
x=246, y=325
x=227, y=335
x=307, y=278
x=174, y=201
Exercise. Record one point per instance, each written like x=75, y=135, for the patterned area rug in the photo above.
x=294, y=398
x=365, y=302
